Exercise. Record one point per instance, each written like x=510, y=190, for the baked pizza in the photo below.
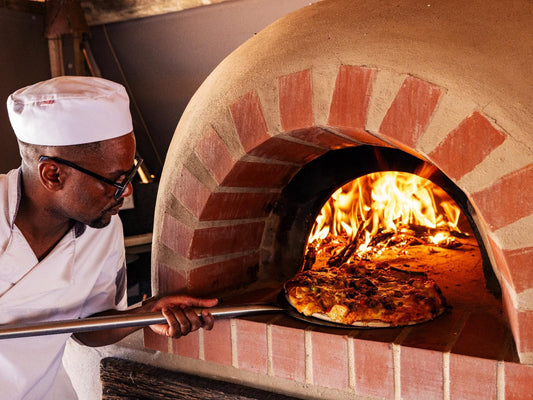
x=365, y=295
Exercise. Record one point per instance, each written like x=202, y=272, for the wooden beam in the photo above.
x=98, y=12
x=124, y=379
x=30, y=6
x=55, y=53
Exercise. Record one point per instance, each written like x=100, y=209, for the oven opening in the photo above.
x=370, y=206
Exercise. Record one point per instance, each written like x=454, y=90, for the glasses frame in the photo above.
x=121, y=187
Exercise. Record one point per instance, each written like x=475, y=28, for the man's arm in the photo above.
x=181, y=320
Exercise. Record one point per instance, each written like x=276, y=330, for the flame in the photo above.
x=385, y=203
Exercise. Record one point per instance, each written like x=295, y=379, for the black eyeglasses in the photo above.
x=121, y=187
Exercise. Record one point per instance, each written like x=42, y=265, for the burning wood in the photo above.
x=380, y=212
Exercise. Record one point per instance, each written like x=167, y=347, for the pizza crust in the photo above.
x=369, y=324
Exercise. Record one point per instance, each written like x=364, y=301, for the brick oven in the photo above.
x=445, y=83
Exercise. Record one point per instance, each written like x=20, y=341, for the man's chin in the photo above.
x=100, y=223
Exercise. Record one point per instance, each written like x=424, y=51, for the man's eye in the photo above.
x=120, y=179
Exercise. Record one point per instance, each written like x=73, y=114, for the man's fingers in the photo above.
x=208, y=320
x=174, y=325
x=185, y=325
x=181, y=317
x=194, y=319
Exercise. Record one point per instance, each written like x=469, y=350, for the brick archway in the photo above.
x=220, y=200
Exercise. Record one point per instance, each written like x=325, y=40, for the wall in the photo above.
x=164, y=59
x=24, y=61
x=161, y=59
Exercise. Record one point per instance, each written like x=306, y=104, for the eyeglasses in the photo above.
x=121, y=187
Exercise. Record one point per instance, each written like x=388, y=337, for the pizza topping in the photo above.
x=359, y=294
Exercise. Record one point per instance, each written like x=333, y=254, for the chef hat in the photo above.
x=70, y=110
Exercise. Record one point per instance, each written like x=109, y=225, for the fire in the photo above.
x=384, y=209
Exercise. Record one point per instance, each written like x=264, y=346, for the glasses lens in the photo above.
x=127, y=180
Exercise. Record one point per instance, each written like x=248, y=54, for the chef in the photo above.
x=61, y=241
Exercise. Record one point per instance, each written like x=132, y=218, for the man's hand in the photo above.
x=181, y=317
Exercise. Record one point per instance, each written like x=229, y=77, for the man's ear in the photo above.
x=51, y=175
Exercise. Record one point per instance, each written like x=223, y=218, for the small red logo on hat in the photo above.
x=46, y=102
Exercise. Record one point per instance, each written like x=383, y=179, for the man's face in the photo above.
x=91, y=201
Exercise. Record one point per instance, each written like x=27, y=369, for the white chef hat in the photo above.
x=70, y=110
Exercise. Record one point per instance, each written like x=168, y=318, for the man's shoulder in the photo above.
x=10, y=177
x=8, y=189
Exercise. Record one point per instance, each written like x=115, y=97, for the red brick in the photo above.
x=288, y=353
x=514, y=266
x=472, y=378
x=259, y=175
x=217, y=343
x=330, y=360
x=169, y=280
x=518, y=381
x=466, y=146
x=411, y=111
x=295, y=100
x=231, y=205
x=214, y=154
x=187, y=346
x=482, y=336
x=322, y=137
x=380, y=335
x=284, y=150
x=249, y=121
x=436, y=334
x=176, y=235
x=224, y=275
x=251, y=346
x=510, y=312
x=374, y=372
x=208, y=242
x=264, y=293
x=351, y=96
x=524, y=342
x=154, y=341
x=500, y=260
x=285, y=320
x=363, y=137
x=190, y=192
x=501, y=204
x=421, y=374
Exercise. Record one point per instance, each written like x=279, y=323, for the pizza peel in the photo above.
x=280, y=305
x=122, y=321
x=12, y=331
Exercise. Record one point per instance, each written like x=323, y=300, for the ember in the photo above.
x=383, y=211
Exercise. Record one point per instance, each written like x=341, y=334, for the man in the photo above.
x=61, y=242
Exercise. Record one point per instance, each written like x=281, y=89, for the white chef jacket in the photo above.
x=83, y=274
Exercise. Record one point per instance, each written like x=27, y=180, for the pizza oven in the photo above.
x=333, y=92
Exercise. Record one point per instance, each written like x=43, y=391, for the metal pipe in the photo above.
x=120, y=321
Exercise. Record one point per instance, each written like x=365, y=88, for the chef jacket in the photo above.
x=82, y=275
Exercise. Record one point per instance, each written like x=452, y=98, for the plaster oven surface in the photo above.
x=447, y=83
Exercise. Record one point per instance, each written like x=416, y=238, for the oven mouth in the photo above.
x=303, y=197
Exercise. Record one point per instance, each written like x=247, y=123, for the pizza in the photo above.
x=365, y=295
